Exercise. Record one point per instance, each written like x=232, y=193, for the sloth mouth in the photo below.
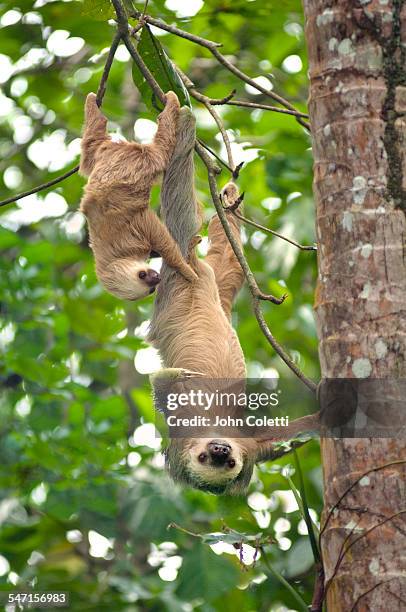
x=151, y=290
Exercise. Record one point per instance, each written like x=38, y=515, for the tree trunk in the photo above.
x=357, y=63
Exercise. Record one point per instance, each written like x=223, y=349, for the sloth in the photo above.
x=191, y=328
x=123, y=229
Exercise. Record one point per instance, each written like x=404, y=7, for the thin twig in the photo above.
x=213, y=48
x=246, y=104
x=269, y=231
x=99, y=97
x=206, y=101
x=270, y=94
x=257, y=295
x=144, y=10
x=221, y=161
x=228, y=100
x=54, y=181
x=252, y=283
x=107, y=67
x=179, y=528
x=174, y=30
x=279, y=349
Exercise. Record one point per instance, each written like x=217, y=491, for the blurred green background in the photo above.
x=85, y=502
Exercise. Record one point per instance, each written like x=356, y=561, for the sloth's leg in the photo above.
x=179, y=208
x=179, y=212
x=94, y=134
x=221, y=257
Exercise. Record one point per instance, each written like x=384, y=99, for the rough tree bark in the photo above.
x=357, y=61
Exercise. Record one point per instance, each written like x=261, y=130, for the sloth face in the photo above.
x=210, y=464
x=129, y=280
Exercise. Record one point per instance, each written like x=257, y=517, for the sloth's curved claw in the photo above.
x=235, y=204
x=236, y=171
x=189, y=373
x=168, y=375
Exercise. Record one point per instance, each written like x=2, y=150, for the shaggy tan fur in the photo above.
x=123, y=229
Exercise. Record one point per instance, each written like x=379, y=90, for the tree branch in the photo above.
x=159, y=23
x=244, y=103
x=213, y=48
x=107, y=67
x=273, y=233
x=206, y=101
x=252, y=283
x=257, y=295
x=221, y=161
x=54, y=181
x=279, y=349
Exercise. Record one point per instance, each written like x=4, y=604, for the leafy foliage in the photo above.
x=161, y=69
x=84, y=500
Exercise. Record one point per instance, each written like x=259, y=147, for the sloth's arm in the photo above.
x=266, y=449
x=94, y=134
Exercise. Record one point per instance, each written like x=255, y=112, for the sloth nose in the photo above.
x=219, y=451
x=152, y=279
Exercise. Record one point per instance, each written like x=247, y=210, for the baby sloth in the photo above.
x=123, y=229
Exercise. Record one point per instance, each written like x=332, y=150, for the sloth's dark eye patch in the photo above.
x=142, y=274
x=231, y=463
x=202, y=457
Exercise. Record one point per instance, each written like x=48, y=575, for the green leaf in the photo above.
x=162, y=70
x=299, y=558
x=205, y=574
x=98, y=9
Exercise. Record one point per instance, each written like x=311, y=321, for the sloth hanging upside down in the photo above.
x=191, y=328
x=124, y=230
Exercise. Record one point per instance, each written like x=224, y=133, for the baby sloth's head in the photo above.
x=220, y=466
x=129, y=279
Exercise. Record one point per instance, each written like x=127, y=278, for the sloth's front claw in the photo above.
x=172, y=374
x=190, y=373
